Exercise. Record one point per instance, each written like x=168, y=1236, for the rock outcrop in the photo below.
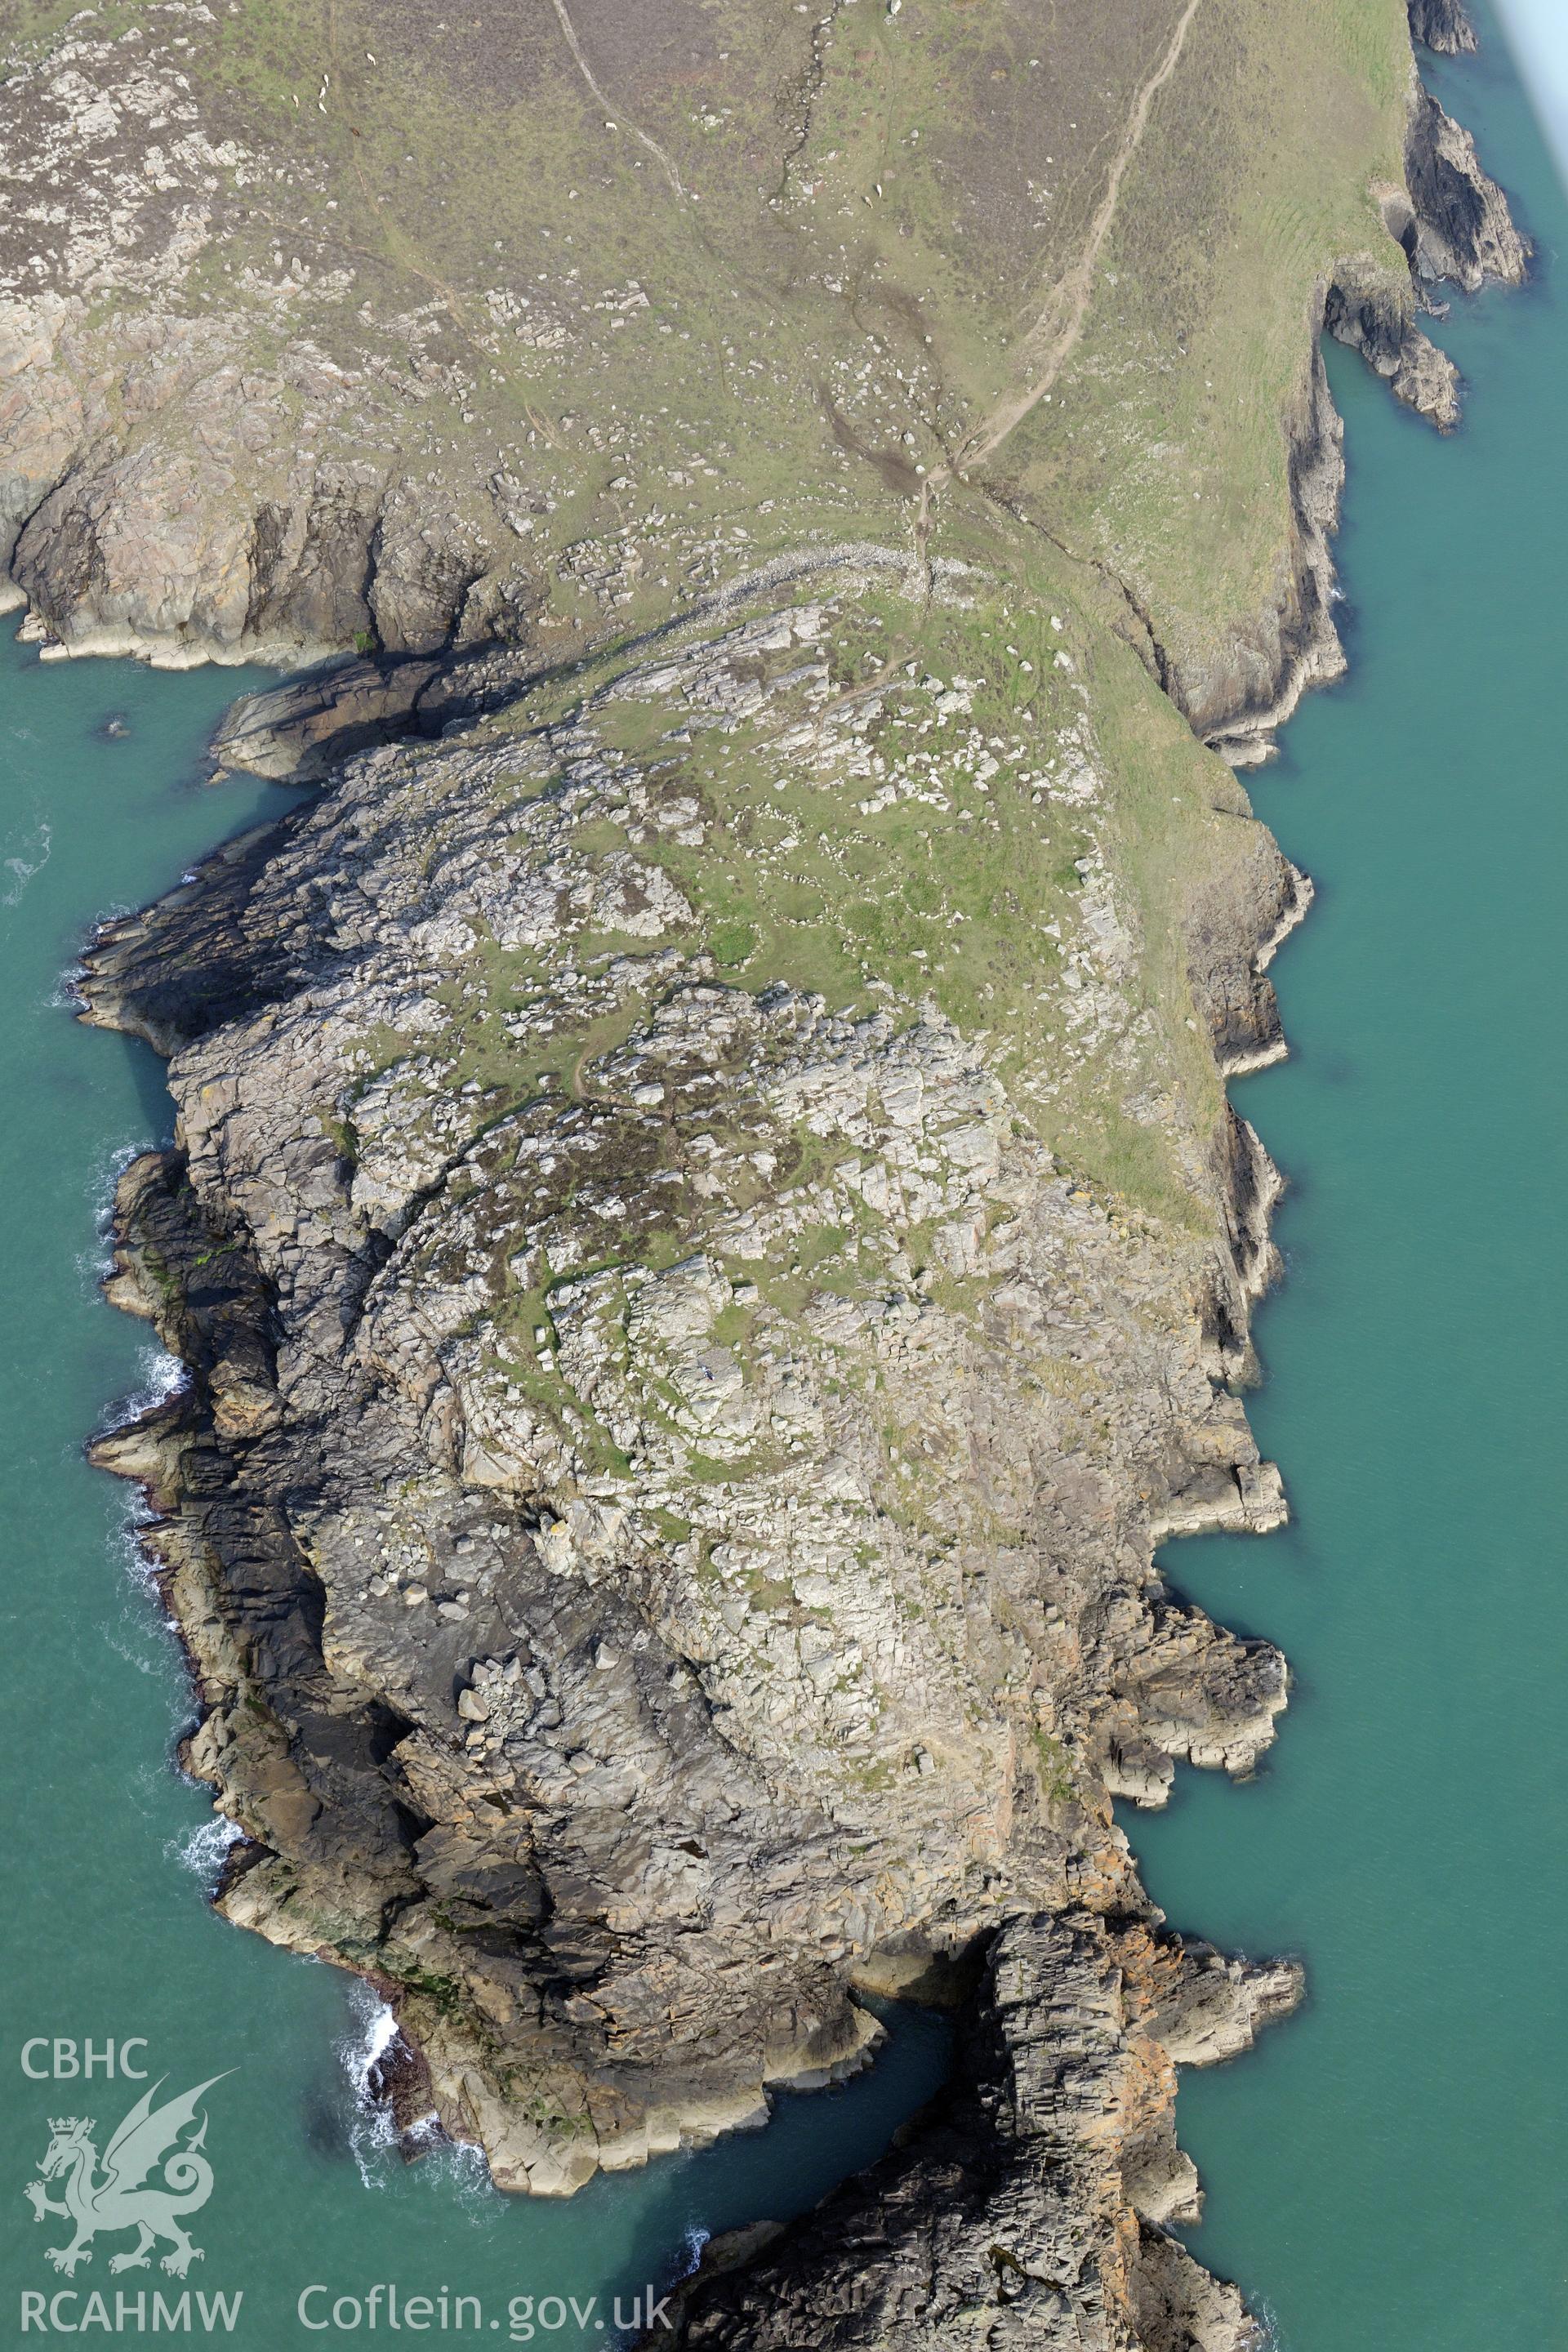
x=665, y=1536
x=1374, y=316
x=1030, y=2204
x=703, y=1225
x=1461, y=227
x=1442, y=26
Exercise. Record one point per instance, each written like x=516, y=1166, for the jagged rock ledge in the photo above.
x=1443, y=27
x=1034, y=2197
x=1453, y=224
x=624, y=1782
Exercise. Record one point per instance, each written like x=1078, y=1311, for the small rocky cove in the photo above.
x=662, y=1516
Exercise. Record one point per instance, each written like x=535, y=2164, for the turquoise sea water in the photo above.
x=1386, y=2174
x=104, y=1933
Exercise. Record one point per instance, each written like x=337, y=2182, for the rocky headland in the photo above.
x=703, y=1225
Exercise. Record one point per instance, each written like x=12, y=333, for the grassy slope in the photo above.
x=874, y=210
x=971, y=898
x=774, y=271
x=1168, y=455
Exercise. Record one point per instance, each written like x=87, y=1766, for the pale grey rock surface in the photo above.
x=666, y=1550
x=629, y=1627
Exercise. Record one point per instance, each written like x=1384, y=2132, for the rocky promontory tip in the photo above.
x=704, y=1222
x=554, y=1298
x=1443, y=25
x=1033, y=2200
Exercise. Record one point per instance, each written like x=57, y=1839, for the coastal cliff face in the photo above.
x=703, y=1225
x=1442, y=26
x=1453, y=225
x=716, y=1446
x=1029, y=2211
x=303, y=346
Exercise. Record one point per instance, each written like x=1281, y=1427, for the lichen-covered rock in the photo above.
x=703, y=1224
x=664, y=1513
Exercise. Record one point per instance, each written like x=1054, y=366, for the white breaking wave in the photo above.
x=67, y=987
x=372, y=2133
x=696, y=2237
x=141, y=1628
x=378, y=2032
x=128, y=1540
x=1267, y=2319
x=163, y=1378
x=375, y=2139
x=95, y=1265
x=204, y=1850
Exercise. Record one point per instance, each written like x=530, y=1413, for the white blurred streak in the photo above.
x=1537, y=35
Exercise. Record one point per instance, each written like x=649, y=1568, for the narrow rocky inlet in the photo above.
x=703, y=1224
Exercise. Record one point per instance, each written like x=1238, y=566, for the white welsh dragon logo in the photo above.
x=122, y=2197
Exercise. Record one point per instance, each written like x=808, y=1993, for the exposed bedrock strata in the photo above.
x=1443, y=25
x=666, y=1550
x=301, y=559
x=1030, y=2204
x=1461, y=227
x=1453, y=223
x=1372, y=315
